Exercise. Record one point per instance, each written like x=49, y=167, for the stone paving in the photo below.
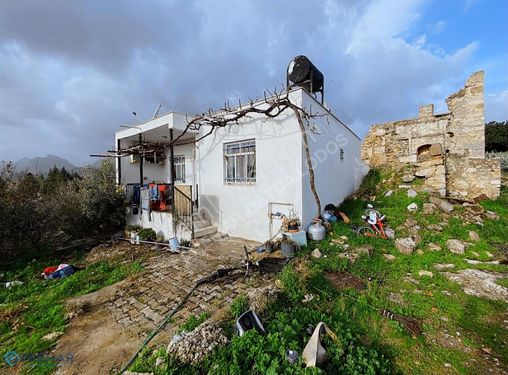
x=145, y=301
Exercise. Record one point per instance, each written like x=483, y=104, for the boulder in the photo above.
x=316, y=253
x=405, y=245
x=442, y=204
x=408, y=178
x=456, y=246
x=412, y=207
x=390, y=233
x=411, y=193
x=429, y=208
x=473, y=236
x=423, y=273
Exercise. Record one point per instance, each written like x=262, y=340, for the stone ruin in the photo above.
x=446, y=150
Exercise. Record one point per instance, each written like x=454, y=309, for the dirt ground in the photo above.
x=110, y=324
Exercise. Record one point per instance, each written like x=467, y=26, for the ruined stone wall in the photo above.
x=447, y=150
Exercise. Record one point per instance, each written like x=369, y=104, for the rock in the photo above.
x=472, y=261
x=316, y=253
x=442, y=204
x=52, y=336
x=491, y=215
x=473, y=236
x=435, y=228
x=411, y=193
x=480, y=283
x=433, y=247
x=159, y=362
x=137, y=373
x=390, y=233
x=408, y=178
x=343, y=238
x=436, y=150
x=419, y=252
x=429, y=208
x=260, y=297
x=389, y=257
x=412, y=207
x=444, y=266
x=405, y=245
x=388, y=193
x=425, y=172
x=489, y=254
x=423, y=273
x=455, y=246
x=10, y=284
x=193, y=347
x=404, y=186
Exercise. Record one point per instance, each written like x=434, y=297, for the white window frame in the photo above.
x=238, y=153
x=179, y=164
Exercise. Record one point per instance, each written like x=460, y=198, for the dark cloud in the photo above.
x=71, y=72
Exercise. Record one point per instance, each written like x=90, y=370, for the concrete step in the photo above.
x=201, y=232
x=201, y=223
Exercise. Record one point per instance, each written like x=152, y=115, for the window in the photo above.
x=179, y=168
x=240, y=162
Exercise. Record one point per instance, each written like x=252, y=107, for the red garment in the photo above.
x=50, y=270
x=162, y=197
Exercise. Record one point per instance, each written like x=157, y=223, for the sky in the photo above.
x=72, y=71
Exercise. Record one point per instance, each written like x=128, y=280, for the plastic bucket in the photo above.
x=174, y=244
x=287, y=249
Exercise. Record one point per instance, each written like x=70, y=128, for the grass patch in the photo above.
x=41, y=308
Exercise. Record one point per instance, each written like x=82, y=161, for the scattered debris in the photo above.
x=480, y=283
x=247, y=321
x=405, y=245
x=442, y=204
x=307, y=298
x=159, y=362
x=388, y=193
x=491, y=215
x=314, y=354
x=344, y=217
x=389, y=257
x=193, y=347
x=344, y=280
x=435, y=228
x=292, y=356
x=456, y=246
x=412, y=325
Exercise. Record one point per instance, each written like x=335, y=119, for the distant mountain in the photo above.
x=44, y=164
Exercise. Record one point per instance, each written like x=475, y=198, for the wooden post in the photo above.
x=141, y=180
x=119, y=159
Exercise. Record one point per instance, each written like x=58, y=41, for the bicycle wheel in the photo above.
x=365, y=231
x=369, y=210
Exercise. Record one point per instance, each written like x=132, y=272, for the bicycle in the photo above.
x=375, y=220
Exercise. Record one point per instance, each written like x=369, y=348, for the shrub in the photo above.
x=147, y=234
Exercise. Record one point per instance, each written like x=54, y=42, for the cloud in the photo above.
x=71, y=72
x=496, y=106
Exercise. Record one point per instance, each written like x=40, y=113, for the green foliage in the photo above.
x=193, y=321
x=39, y=214
x=147, y=234
x=293, y=284
x=239, y=305
x=496, y=136
x=369, y=183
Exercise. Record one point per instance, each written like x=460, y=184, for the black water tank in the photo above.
x=301, y=71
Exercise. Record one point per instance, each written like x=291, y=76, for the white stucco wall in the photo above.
x=335, y=179
x=242, y=210
x=160, y=222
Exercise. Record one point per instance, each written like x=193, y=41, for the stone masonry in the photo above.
x=446, y=150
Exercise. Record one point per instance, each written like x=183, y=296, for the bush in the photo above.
x=38, y=214
x=147, y=234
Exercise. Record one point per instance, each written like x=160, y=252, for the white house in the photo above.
x=239, y=177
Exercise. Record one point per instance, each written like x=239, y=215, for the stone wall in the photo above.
x=446, y=150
